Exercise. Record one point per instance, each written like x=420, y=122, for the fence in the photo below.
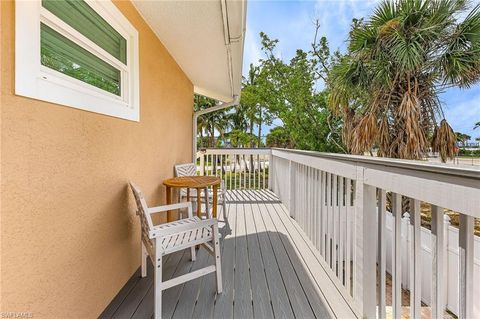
x=452, y=267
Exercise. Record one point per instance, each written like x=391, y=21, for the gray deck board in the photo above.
x=242, y=307
x=316, y=302
x=262, y=307
x=265, y=274
x=224, y=302
x=298, y=299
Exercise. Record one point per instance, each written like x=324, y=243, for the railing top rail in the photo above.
x=248, y=151
x=439, y=168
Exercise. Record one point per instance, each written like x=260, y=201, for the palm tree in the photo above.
x=462, y=138
x=477, y=125
x=210, y=122
x=386, y=87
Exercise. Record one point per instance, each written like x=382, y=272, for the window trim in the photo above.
x=34, y=80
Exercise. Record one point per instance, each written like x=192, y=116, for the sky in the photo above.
x=291, y=22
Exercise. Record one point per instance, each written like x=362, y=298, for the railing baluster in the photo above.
x=382, y=252
x=348, y=240
x=252, y=166
x=335, y=224
x=264, y=169
x=323, y=210
x=316, y=211
x=235, y=169
x=311, y=198
x=341, y=232
x=466, y=242
x=244, y=172
x=329, y=218
x=438, y=240
x=221, y=167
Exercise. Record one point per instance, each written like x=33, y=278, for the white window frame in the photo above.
x=39, y=82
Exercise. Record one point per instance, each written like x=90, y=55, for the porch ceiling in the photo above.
x=206, y=38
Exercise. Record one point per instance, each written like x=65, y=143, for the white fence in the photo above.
x=452, y=267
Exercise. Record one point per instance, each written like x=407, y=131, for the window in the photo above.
x=82, y=54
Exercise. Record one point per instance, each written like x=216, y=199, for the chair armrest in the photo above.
x=158, y=232
x=164, y=208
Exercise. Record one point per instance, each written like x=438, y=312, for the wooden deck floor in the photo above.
x=269, y=271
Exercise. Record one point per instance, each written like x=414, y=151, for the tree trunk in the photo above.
x=260, y=129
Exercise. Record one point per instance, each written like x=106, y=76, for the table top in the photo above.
x=192, y=181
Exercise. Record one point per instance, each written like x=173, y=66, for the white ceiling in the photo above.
x=206, y=38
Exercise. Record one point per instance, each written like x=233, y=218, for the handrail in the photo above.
x=438, y=168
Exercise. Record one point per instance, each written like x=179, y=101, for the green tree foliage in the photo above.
x=210, y=123
x=462, y=138
x=279, y=137
x=253, y=105
x=386, y=87
x=289, y=91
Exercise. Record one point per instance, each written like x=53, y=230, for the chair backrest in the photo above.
x=145, y=218
x=189, y=169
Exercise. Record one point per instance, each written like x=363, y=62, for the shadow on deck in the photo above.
x=266, y=272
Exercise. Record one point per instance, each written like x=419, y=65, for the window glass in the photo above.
x=65, y=56
x=80, y=16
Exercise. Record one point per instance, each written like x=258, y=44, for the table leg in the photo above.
x=169, y=201
x=199, y=202
x=188, y=194
x=214, y=208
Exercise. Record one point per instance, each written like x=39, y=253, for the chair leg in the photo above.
x=218, y=259
x=158, y=287
x=144, y=260
x=193, y=253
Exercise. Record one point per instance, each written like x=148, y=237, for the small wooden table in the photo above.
x=197, y=182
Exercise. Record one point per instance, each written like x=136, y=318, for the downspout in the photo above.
x=221, y=106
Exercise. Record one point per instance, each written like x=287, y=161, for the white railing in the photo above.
x=342, y=203
x=239, y=168
x=337, y=200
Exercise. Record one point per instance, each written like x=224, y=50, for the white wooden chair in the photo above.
x=190, y=169
x=164, y=239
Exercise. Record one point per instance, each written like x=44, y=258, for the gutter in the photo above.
x=226, y=36
x=221, y=106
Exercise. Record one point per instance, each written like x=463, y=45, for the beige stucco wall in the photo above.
x=69, y=236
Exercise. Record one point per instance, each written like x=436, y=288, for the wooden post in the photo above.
x=415, y=273
x=466, y=242
x=271, y=169
x=291, y=183
x=199, y=202
x=438, y=239
x=168, y=193
x=397, y=256
x=382, y=253
x=366, y=238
